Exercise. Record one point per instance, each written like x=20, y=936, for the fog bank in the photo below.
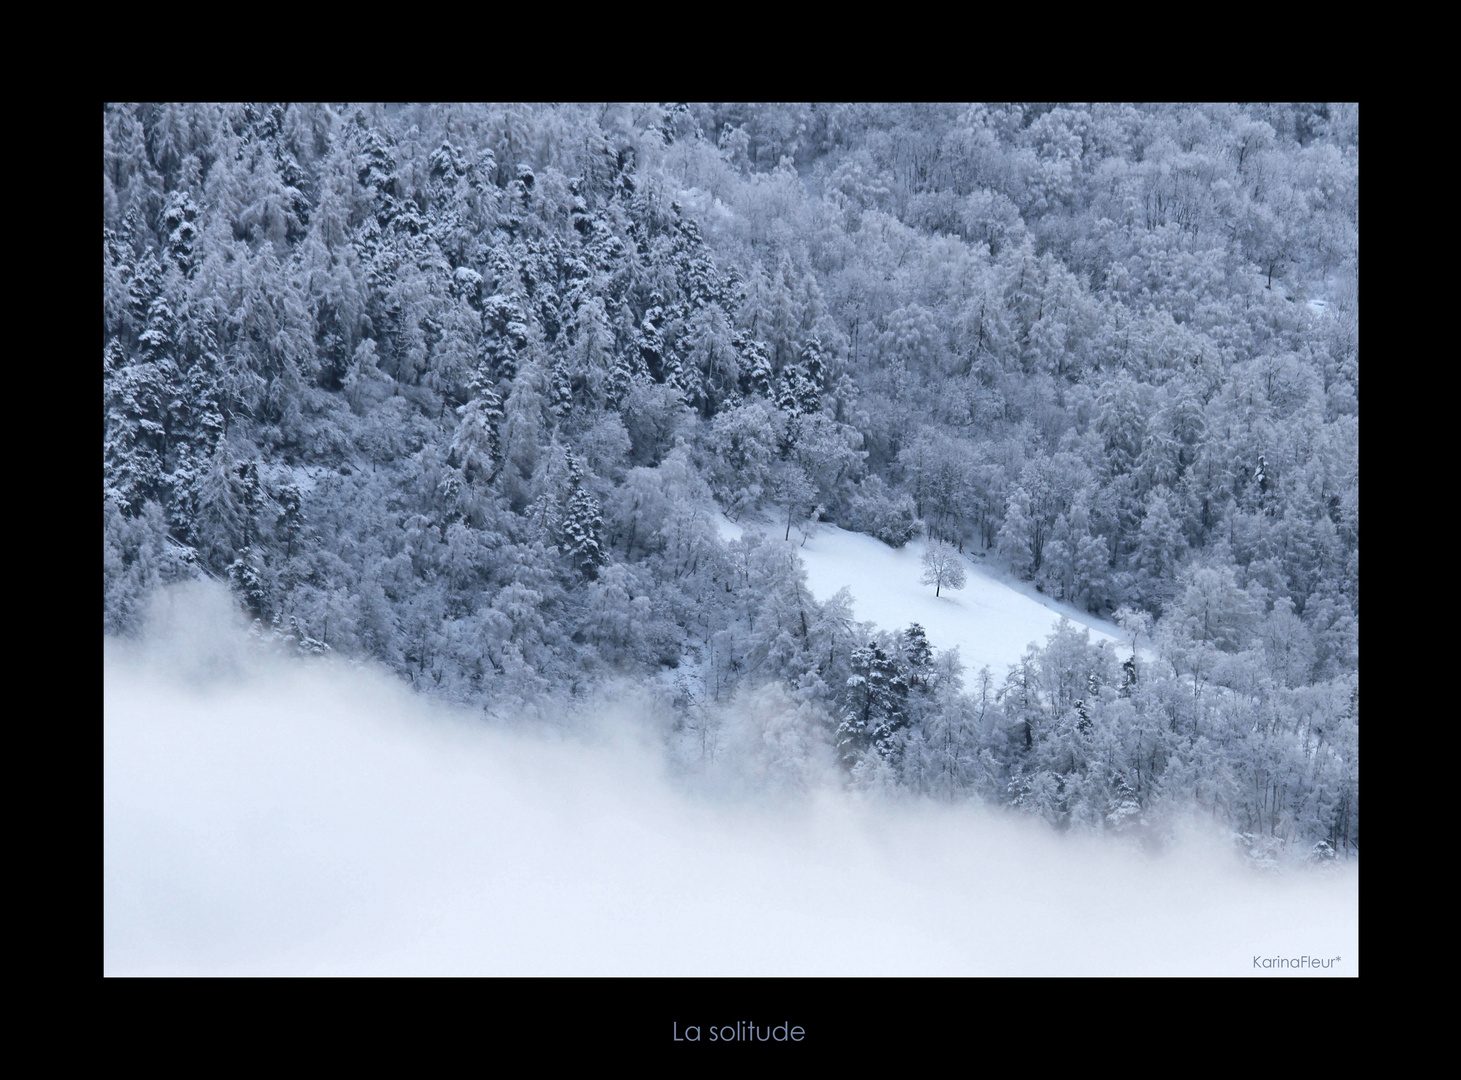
x=270, y=815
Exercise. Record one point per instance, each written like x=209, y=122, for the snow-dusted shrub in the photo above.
x=890, y=517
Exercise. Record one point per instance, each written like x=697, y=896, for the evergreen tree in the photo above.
x=180, y=230
x=219, y=509
x=476, y=447
x=138, y=400
x=874, y=713
x=560, y=388
x=918, y=657
x=627, y=369
x=504, y=335
x=650, y=343
x=1160, y=546
x=1016, y=535
x=247, y=576
x=290, y=522
x=582, y=525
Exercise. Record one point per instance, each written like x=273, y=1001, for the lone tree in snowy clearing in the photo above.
x=942, y=567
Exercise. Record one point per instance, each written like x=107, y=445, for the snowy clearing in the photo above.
x=991, y=620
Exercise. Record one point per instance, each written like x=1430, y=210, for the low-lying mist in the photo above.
x=267, y=814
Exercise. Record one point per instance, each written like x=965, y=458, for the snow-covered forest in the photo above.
x=527, y=403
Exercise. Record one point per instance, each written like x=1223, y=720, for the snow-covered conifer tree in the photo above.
x=582, y=525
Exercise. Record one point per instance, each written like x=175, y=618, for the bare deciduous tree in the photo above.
x=943, y=567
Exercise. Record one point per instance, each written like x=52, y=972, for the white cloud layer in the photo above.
x=266, y=815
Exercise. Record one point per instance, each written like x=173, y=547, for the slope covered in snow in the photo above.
x=991, y=620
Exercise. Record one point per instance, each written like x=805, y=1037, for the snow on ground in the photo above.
x=991, y=620
x=282, y=816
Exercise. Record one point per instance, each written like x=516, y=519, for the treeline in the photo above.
x=461, y=388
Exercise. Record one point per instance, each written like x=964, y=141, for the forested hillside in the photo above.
x=462, y=389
